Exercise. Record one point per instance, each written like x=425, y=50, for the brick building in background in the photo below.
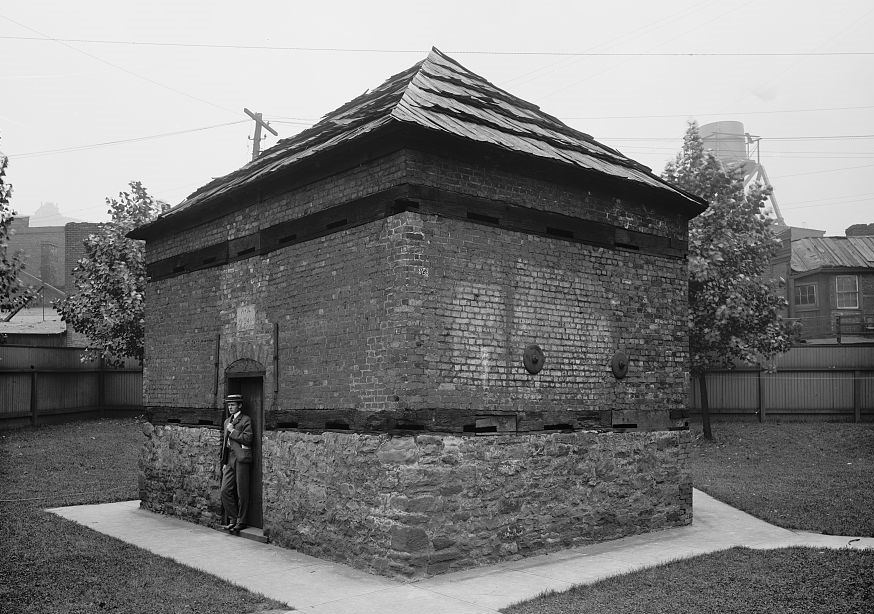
x=459, y=325
x=42, y=250
x=829, y=280
x=49, y=254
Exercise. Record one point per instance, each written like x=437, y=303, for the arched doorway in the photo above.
x=246, y=377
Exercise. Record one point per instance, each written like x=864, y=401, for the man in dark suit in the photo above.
x=236, y=459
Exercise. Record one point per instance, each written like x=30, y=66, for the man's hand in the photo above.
x=229, y=427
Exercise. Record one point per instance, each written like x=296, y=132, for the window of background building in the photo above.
x=805, y=294
x=847, y=287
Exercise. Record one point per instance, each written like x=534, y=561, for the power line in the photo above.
x=456, y=51
x=837, y=198
x=820, y=137
x=838, y=204
x=786, y=154
x=64, y=42
x=732, y=114
x=31, y=154
x=830, y=170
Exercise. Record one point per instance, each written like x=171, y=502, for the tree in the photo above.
x=13, y=294
x=734, y=310
x=107, y=306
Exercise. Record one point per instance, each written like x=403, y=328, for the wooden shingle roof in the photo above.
x=439, y=94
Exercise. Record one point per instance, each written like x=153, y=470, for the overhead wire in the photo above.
x=453, y=51
x=60, y=41
x=74, y=148
x=554, y=66
x=843, y=203
x=829, y=170
x=724, y=113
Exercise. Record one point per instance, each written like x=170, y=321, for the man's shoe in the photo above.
x=237, y=528
x=228, y=527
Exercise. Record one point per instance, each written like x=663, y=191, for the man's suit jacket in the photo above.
x=237, y=444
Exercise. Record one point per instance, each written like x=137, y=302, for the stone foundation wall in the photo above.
x=413, y=506
x=180, y=474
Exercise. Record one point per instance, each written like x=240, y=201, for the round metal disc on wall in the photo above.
x=533, y=359
x=619, y=365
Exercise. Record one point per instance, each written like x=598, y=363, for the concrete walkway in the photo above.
x=313, y=585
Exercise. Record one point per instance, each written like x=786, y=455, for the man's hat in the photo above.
x=234, y=398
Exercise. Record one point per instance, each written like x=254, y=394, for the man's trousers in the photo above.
x=235, y=490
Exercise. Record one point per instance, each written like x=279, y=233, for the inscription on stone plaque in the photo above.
x=246, y=317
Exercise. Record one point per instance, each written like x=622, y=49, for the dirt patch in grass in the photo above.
x=813, y=476
x=51, y=565
x=789, y=580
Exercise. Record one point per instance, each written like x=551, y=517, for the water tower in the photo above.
x=733, y=146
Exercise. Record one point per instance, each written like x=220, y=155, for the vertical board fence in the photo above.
x=45, y=384
x=831, y=382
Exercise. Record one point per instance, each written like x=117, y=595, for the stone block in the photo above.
x=409, y=539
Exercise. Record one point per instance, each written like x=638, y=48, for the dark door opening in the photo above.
x=252, y=389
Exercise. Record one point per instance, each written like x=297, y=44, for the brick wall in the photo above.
x=583, y=201
x=365, y=179
x=418, y=311
x=30, y=241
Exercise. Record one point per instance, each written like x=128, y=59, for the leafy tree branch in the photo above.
x=735, y=312
x=107, y=306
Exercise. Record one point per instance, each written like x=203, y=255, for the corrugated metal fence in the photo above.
x=40, y=384
x=834, y=382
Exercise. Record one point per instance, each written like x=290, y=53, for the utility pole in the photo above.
x=256, y=140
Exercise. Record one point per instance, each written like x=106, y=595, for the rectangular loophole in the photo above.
x=404, y=204
x=287, y=239
x=336, y=426
x=336, y=224
x=558, y=427
x=485, y=219
x=405, y=426
x=246, y=252
x=559, y=232
x=286, y=425
x=629, y=425
x=202, y=421
x=628, y=246
x=496, y=424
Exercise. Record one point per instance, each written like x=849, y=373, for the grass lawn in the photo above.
x=51, y=565
x=790, y=580
x=813, y=476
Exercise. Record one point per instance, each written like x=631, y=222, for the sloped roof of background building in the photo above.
x=814, y=253
x=440, y=94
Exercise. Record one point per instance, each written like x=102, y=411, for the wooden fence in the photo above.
x=49, y=384
x=830, y=382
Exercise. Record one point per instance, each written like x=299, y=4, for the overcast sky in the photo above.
x=77, y=76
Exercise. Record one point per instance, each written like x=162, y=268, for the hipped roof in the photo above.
x=814, y=253
x=439, y=94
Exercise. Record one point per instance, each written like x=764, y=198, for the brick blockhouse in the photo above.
x=460, y=327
